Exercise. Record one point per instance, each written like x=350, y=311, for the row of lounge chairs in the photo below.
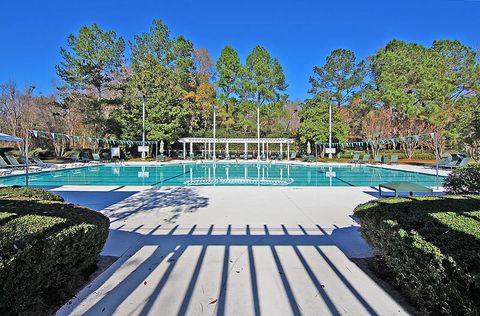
x=11, y=163
x=230, y=156
x=451, y=161
x=393, y=159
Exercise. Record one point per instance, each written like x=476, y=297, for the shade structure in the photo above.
x=9, y=138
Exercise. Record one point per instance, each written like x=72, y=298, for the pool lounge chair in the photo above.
x=377, y=159
x=463, y=163
x=385, y=160
x=14, y=162
x=4, y=164
x=42, y=164
x=356, y=158
x=96, y=158
x=394, y=159
x=365, y=158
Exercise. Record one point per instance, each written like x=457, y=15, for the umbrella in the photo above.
x=309, y=148
x=161, y=147
x=9, y=138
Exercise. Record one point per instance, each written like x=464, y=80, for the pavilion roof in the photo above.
x=235, y=140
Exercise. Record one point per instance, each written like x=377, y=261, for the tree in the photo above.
x=263, y=85
x=339, y=77
x=91, y=58
x=167, y=113
x=163, y=73
x=410, y=80
x=377, y=125
x=229, y=78
x=89, y=66
x=315, y=122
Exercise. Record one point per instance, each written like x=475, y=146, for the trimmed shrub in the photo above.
x=430, y=248
x=46, y=247
x=464, y=180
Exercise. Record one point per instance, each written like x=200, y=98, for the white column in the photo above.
x=184, y=150
x=267, y=151
x=205, y=150
x=246, y=150
x=209, y=148
x=288, y=151
x=226, y=149
x=191, y=148
x=281, y=149
x=263, y=149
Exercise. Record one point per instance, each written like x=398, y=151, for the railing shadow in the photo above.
x=170, y=244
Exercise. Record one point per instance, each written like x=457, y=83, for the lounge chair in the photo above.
x=42, y=164
x=377, y=159
x=356, y=158
x=394, y=159
x=463, y=163
x=161, y=157
x=84, y=157
x=293, y=156
x=4, y=164
x=14, y=162
x=96, y=157
x=280, y=157
x=385, y=159
x=365, y=158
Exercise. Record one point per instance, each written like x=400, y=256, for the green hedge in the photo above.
x=430, y=247
x=464, y=180
x=46, y=247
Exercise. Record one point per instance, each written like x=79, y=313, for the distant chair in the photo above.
x=385, y=160
x=465, y=161
x=365, y=158
x=4, y=164
x=293, y=155
x=356, y=158
x=13, y=161
x=377, y=159
x=394, y=159
x=96, y=157
x=42, y=164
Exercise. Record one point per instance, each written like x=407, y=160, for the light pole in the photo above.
x=258, y=132
x=330, y=128
x=143, y=127
x=214, y=129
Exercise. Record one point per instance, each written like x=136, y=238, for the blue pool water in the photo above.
x=223, y=174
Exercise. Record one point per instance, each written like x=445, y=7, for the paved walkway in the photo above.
x=234, y=251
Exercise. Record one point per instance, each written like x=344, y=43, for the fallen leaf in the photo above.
x=213, y=302
x=145, y=283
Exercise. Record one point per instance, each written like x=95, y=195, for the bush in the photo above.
x=430, y=246
x=46, y=247
x=464, y=180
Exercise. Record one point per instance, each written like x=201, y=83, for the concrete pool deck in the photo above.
x=231, y=251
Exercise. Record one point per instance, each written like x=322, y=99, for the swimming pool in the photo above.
x=223, y=174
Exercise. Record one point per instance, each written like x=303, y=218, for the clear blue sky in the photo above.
x=300, y=33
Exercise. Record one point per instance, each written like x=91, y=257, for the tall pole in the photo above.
x=214, y=130
x=26, y=158
x=258, y=132
x=330, y=128
x=436, y=157
x=143, y=127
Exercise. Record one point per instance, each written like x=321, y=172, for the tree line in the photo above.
x=403, y=89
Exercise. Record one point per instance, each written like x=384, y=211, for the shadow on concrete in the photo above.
x=171, y=243
x=95, y=200
x=176, y=200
